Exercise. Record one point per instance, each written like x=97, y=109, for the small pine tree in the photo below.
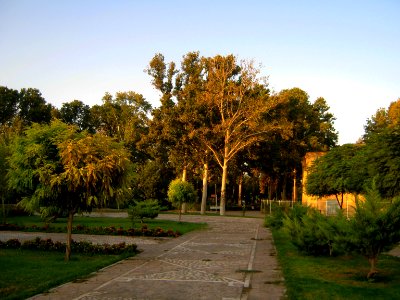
x=374, y=228
x=145, y=209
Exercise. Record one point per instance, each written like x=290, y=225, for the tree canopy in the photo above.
x=356, y=167
x=56, y=166
x=218, y=122
x=336, y=173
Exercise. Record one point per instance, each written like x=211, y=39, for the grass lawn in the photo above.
x=182, y=227
x=343, y=277
x=25, y=273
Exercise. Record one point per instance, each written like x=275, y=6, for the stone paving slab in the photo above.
x=234, y=258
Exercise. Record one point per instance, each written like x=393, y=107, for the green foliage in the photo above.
x=32, y=107
x=54, y=166
x=148, y=209
x=4, y=154
x=276, y=217
x=8, y=104
x=27, y=104
x=151, y=180
x=78, y=247
x=180, y=192
x=34, y=160
x=339, y=171
x=313, y=233
x=374, y=228
x=382, y=154
x=339, y=277
x=382, y=120
x=77, y=113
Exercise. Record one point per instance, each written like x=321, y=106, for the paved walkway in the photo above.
x=233, y=259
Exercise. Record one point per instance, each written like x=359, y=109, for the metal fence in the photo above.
x=267, y=206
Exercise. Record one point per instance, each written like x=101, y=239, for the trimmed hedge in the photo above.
x=77, y=247
x=81, y=229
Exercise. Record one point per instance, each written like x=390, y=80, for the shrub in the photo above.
x=145, y=209
x=144, y=231
x=313, y=233
x=275, y=219
x=12, y=243
x=374, y=228
x=78, y=247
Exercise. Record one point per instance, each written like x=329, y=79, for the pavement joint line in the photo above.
x=196, y=270
x=126, y=273
x=178, y=280
x=180, y=245
x=252, y=256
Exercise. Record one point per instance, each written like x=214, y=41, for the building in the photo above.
x=327, y=205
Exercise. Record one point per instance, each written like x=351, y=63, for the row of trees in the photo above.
x=218, y=112
x=354, y=168
x=217, y=122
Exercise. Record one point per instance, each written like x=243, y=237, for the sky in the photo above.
x=344, y=51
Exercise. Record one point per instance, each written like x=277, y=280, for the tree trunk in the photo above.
x=337, y=200
x=284, y=186
x=270, y=191
x=223, y=188
x=180, y=212
x=294, y=186
x=204, y=196
x=184, y=172
x=372, y=261
x=341, y=202
x=69, y=235
x=240, y=189
x=261, y=183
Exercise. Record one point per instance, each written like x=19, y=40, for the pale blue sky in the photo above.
x=344, y=51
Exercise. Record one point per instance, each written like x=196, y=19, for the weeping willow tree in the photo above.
x=54, y=166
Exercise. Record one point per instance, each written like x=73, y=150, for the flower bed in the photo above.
x=81, y=229
x=76, y=247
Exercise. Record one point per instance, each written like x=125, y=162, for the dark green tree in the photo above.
x=9, y=99
x=4, y=154
x=339, y=171
x=374, y=228
x=382, y=160
x=124, y=117
x=32, y=107
x=76, y=113
x=382, y=154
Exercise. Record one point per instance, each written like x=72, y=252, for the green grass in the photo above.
x=182, y=227
x=342, y=277
x=25, y=273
